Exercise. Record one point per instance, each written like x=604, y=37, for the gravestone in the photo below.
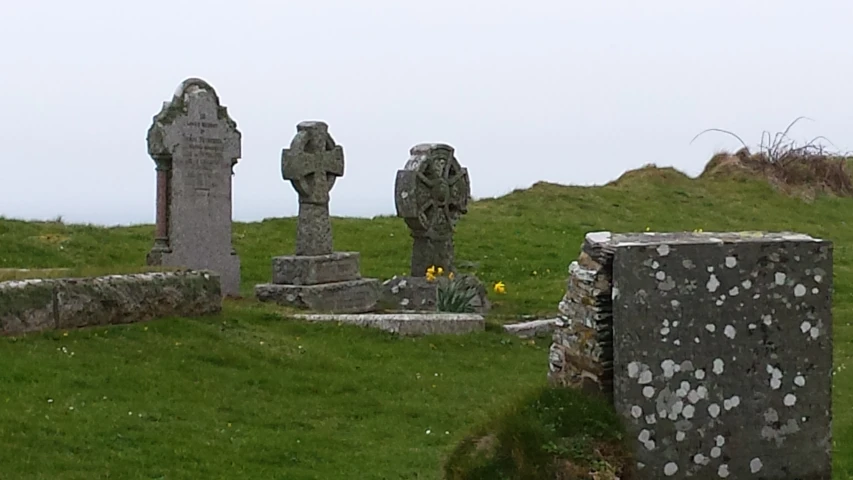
x=195, y=145
x=317, y=277
x=716, y=348
x=431, y=193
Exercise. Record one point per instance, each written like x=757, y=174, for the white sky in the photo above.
x=562, y=91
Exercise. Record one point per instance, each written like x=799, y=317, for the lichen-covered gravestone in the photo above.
x=195, y=145
x=317, y=277
x=715, y=347
x=431, y=193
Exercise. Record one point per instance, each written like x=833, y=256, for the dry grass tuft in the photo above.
x=806, y=169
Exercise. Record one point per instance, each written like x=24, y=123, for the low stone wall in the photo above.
x=43, y=304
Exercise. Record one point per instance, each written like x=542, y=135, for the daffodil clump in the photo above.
x=454, y=293
x=500, y=288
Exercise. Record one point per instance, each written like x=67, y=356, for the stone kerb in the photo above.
x=316, y=277
x=195, y=145
x=718, y=346
x=44, y=304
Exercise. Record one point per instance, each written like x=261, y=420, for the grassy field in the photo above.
x=246, y=395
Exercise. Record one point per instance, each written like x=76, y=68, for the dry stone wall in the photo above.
x=720, y=346
x=44, y=304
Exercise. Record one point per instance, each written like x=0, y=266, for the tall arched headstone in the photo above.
x=195, y=145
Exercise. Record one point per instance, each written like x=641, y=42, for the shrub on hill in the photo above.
x=805, y=169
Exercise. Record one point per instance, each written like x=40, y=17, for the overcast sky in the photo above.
x=562, y=91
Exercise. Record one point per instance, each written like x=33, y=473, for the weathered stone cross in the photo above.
x=312, y=163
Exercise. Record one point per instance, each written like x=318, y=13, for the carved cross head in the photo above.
x=313, y=162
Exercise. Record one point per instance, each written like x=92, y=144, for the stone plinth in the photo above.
x=419, y=294
x=354, y=296
x=317, y=277
x=721, y=349
x=315, y=269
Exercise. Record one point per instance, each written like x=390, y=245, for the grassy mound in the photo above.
x=553, y=434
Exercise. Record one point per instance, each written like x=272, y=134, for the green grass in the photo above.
x=349, y=403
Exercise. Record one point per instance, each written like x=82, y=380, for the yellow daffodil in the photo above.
x=500, y=288
x=647, y=229
x=431, y=270
x=439, y=271
x=450, y=276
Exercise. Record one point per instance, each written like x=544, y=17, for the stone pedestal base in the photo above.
x=418, y=294
x=315, y=269
x=353, y=296
x=226, y=266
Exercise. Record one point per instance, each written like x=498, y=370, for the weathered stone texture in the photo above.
x=33, y=305
x=195, y=145
x=418, y=294
x=722, y=353
x=354, y=296
x=316, y=277
x=316, y=269
x=311, y=164
x=431, y=192
x=581, y=353
x=410, y=324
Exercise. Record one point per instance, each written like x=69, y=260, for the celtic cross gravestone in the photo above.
x=312, y=163
x=317, y=277
x=431, y=193
x=195, y=144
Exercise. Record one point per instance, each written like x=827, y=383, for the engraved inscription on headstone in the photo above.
x=195, y=145
x=431, y=193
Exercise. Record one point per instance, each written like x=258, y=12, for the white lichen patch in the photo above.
x=729, y=331
x=716, y=452
x=633, y=370
x=688, y=412
x=799, y=290
x=755, y=465
x=648, y=391
x=645, y=377
x=668, y=367
x=780, y=278
x=714, y=410
x=713, y=284
x=767, y=319
x=688, y=264
x=731, y=403
x=670, y=469
x=814, y=332
x=818, y=278
x=719, y=440
x=711, y=327
x=747, y=284
x=680, y=436
x=700, y=459
x=719, y=366
x=660, y=275
x=790, y=400
x=636, y=411
x=734, y=291
x=731, y=262
x=805, y=326
x=800, y=381
x=663, y=250
x=699, y=374
x=723, y=471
